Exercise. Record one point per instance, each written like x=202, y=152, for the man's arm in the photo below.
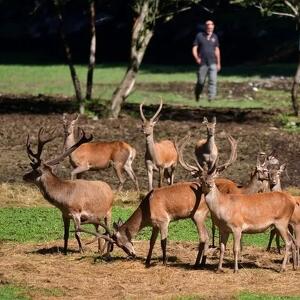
x=218, y=57
x=195, y=54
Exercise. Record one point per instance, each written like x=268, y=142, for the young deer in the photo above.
x=157, y=210
x=206, y=150
x=234, y=213
x=159, y=155
x=85, y=202
x=99, y=155
x=294, y=225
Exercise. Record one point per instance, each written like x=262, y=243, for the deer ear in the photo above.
x=205, y=121
x=214, y=120
x=282, y=168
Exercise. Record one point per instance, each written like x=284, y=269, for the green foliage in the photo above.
x=290, y=123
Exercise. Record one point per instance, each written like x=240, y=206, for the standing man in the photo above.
x=207, y=55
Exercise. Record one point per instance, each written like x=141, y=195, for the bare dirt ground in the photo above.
x=86, y=276
x=77, y=276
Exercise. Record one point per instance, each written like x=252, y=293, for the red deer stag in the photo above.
x=159, y=155
x=85, y=202
x=157, y=210
x=99, y=155
x=237, y=214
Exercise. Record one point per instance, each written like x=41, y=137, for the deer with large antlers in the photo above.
x=99, y=155
x=237, y=214
x=160, y=207
x=85, y=202
x=159, y=156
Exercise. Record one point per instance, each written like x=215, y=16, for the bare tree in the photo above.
x=147, y=13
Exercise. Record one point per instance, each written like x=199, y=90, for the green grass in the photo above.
x=9, y=292
x=252, y=296
x=41, y=224
x=54, y=80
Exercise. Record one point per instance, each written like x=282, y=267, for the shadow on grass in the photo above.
x=47, y=104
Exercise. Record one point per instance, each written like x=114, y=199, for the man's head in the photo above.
x=209, y=26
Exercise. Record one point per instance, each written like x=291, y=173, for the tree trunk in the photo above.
x=141, y=35
x=295, y=87
x=75, y=79
x=92, y=60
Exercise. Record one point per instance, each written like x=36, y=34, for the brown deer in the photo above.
x=99, y=155
x=159, y=156
x=85, y=202
x=160, y=207
x=237, y=214
x=206, y=150
x=294, y=226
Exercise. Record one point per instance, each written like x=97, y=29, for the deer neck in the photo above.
x=150, y=148
x=134, y=224
x=253, y=186
x=277, y=187
x=69, y=141
x=52, y=188
x=210, y=141
x=212, y=199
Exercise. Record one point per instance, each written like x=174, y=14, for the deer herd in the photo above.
x=253, y=208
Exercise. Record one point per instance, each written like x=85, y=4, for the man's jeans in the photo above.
x=204, y=71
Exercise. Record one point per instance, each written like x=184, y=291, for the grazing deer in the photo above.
x=85, y=202
x=206, y=150
x=99, y=155
x=159, y=155
x=235, y=213
x=160, y=207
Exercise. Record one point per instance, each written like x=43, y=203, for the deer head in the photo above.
x=38, y=166
x=148, y=125
x=122, y=238
x=274, y=175
x=207, y=175
x=69, y=125
x=210, y=126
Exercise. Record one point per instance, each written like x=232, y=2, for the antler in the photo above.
x=233, y=155
x=141, y=113
x=158, y=110
x=180, y=149
x=82, y=140
x=41, y=144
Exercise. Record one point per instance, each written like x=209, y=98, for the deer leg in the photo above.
x=149, y=166
x=277, y=239
x=163, y=242
x=77, y=223
x=119, y=171
x=66, y=221
x=76, y=172
x=203, y=239
x=131, y=174
x=223, y=241
x=172, y=174
x=160, y=177
x=237, y=234
x=153, y=238
x=272, y=234
x=283, y=230
x=213, y=233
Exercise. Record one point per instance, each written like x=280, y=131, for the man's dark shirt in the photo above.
x=206, y=48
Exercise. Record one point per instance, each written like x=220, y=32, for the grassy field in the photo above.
x=55, y=80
